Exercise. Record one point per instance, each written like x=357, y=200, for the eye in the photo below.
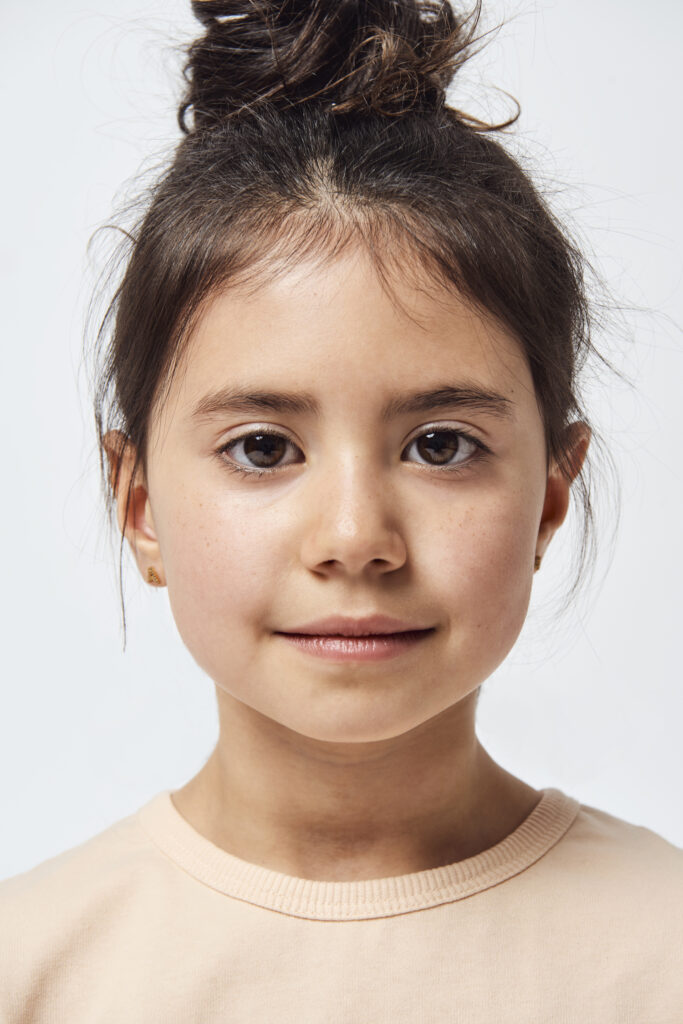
x=263, y=449
x=447, y=447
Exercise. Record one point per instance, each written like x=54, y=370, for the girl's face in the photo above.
x=430, y=511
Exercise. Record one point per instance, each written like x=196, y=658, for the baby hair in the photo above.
x=310, y=125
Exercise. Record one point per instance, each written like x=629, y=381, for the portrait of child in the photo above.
x=342, y=372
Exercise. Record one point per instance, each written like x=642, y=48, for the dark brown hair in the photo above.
x=320, y=123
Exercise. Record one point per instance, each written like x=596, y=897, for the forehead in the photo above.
x=336, y=329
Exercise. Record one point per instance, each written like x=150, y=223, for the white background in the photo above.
x=591, y=703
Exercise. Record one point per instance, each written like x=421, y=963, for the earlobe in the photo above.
x=133, y=508
x=558, y=486
x=153, y=577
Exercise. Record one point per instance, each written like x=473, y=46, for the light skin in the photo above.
x=347, y=770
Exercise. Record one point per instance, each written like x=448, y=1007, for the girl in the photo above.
x=339, y=419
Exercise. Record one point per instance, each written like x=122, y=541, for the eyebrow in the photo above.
x=462, y=396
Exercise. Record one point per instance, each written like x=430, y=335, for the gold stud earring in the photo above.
x=153, y=576
x=537, y=563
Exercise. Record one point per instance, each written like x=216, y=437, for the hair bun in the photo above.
x=386, y=56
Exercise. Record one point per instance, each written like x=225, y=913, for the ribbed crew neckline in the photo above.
x=367, y=898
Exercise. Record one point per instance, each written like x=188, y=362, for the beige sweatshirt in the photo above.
x=576, y=916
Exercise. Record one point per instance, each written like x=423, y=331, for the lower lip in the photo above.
x=368, y=648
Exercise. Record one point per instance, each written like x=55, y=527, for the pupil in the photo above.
x=264, y=444
x=445, y=450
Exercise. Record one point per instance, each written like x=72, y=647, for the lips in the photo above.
x=360, y=647
x=366, y=626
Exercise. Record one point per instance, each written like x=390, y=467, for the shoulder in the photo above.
x=619, y=870
x=609, y=840
x=68, y=902
x=104, y=860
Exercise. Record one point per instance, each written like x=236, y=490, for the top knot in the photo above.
x=381, y=56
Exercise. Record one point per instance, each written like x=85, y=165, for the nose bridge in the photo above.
x=353, y=517
x=354, y=486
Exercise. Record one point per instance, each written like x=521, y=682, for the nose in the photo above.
x=350, y=523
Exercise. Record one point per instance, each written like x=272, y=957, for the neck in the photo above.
x=345, y=811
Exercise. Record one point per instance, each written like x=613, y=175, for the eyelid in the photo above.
x=471, y=433
x=270, y=430
x=457, y=427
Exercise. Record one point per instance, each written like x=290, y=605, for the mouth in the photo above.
x=365, y=647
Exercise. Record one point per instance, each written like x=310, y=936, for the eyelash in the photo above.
x=481, y=452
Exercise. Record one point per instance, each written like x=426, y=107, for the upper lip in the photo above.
x=340, y=625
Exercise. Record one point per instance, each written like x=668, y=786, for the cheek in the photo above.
x=221, y=569
x=484, y=572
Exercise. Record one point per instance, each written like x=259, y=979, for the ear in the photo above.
x=133, y=509
x=558, y=485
